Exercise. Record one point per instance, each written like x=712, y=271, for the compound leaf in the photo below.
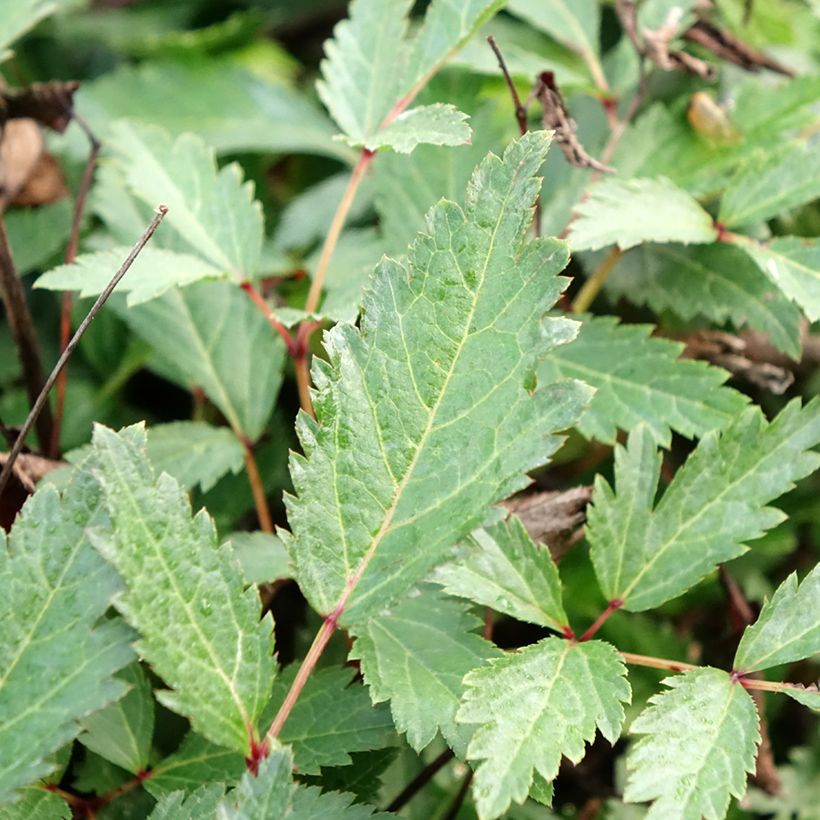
x=646, y=553
x=57, y=657
x=415, y=656
x=503, y=568
x=199, y=628
x=628, y=212
x=641, y=379
x=332, y=718
x=431, y=405
x=699, y=741
x=210, y=208
x=787, y=628
x=534, y=706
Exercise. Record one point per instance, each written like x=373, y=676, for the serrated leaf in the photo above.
x=370, y=66
x=807, y=696
x=638, y=378
x=199, y=627
x=534, y=706
x=39, y=233
x=57, y=661
x=430, y=406
x=263, y=556
x=200, y=805
x=415, y=656
x=713, y=281
x=771, y=183
x=122, y=731
x=787, y=629
x=36, y=804
x=197, y=762
x=194, y=453
x=503, y=568
x=699, y=743
x=628, y=212
x=800, y=793
x=793, y=264
x=363, y=777
x=437, y=124
x=153, y=273
x=201, y=336
x=19, y=16
x=212, y=209
x=230, y=107
x=645, y=553
x=332, y=718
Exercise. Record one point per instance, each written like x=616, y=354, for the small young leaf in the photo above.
x=202, y=336
x=787, y=629
x=415, y=656
x=194, y=453
x=641, y=379
x=793, y=264
x=263, y=557
x=154, y=271
x=646, y=553
x=211, y=209
x=430, y=406
x=122, y=731
x=628, y=212
x=195, y=763
x=771, y=183
x=199, y=629
x=332, y=718
x=534, y=706
x=201, y=804
x=57, y=654
x=699, y=742
x=432, y=124
x=501, y=567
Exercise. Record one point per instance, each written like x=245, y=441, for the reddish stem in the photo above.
x=264, y=308
x=257, y=488
x=613, y=607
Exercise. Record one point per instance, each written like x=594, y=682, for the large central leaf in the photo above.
x=429, y=413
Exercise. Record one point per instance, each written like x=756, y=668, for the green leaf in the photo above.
x=415, y=656
x=787, y=628
x=638, y=378
x=370, y=66
x=632, y=211
x=199, y=628
x=501, y=567
x=332, y=718
x=195, y=763
x=38, y=234
x=19, y=16
x=263, y=557
x=36, y=804
x=793, y=264
x=699, y=743
x=201, y=336
x=646, y=553
x=194, y=453
x=203, y=803
x=210, y=208
x=57, y=656
x=771, y=183
x=807, y=696
x=153, y=273
x=714, y=281
x=534, y=706
x=437, y=124
x=800, y=795
x=122, y=732
x=430, y=406
x=363, y=777
x=313, y=804
x=231, y=108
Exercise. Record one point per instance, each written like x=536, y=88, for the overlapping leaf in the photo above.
x=415, y=656
x=263, y=556
x=203, y=803
x=212, y=210
x=713, y=281
x=534, y=706
x=432, y=406
x=57, y=663
x=646, y=553
x=501, y=567
x=19, y=16
x=787, y=629
x=641, y=379
x=36, y=804
x=699, y=742
x=199, y=628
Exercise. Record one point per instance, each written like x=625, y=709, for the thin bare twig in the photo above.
x=68, y=296
x=22, y=330
x=458, y=800
x=420, y=781
x=42, y=398
x=592, y=287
